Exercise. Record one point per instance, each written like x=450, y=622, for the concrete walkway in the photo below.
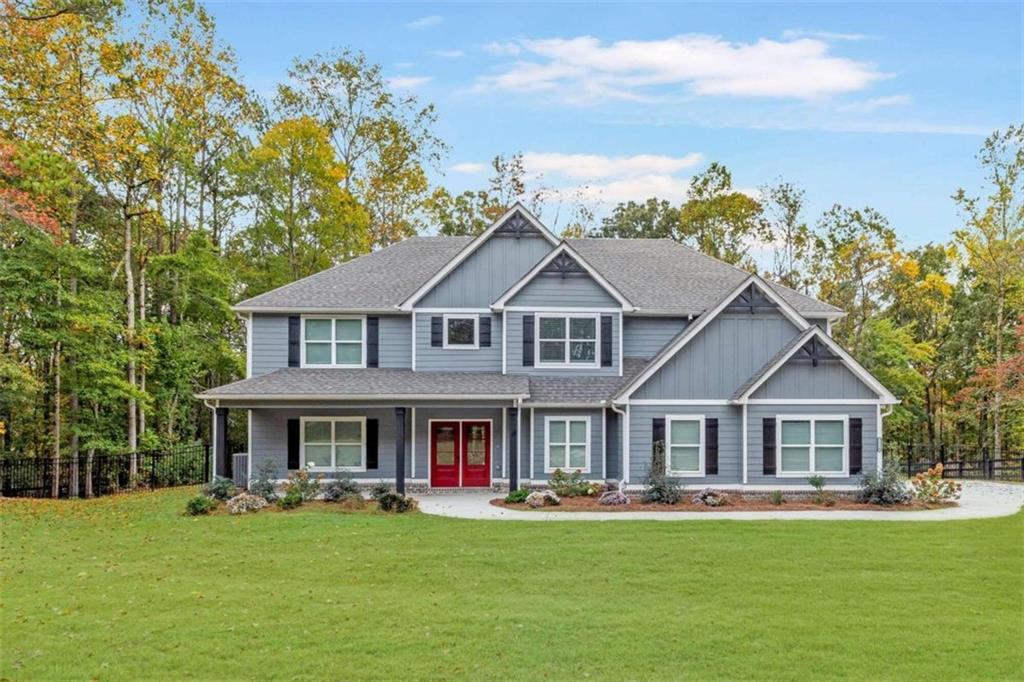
x=980, y=499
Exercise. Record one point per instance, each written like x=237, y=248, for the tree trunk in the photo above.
x=129, y=287
x=142, y=369
x=997, y=394
x=55, y=484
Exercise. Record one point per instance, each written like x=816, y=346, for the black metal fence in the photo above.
x=105, y=474
x=958, y=461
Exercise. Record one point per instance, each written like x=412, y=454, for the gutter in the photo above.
x=354, y=397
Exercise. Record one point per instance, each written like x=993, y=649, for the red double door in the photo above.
x=460, y=454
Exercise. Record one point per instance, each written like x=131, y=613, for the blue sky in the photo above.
x=860, y=104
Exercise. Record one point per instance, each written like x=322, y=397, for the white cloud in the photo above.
x=875, y=103
x=639, y=188
x=425, y=22
x=501, y=48
x=468, y=167
x=585, y=70
x=408, y=82
x=596, y=166
x=447, y=54
x=792, y=33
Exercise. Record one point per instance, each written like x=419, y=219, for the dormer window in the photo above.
x=334, y=342
x=567, y=341
x=461, y=331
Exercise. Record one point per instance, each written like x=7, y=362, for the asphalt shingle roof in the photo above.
x=295, y=382
x=582, y=390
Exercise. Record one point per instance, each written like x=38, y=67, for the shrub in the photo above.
x=264, y=483
x=352, y=502
x=930, y=487
x=292, y=498
x=220, y=488
x=306, y=486
x=820, y=496
x=517, y=496
x=199, y=505
x=709, y=498
x=776, y=498
x=395, y=502
x=572, y=485
x=246, y=502
x=341, y=489
x=543, y=498
x=884, y=487
x=660, y=489
x=613, y=497
x=378, y=490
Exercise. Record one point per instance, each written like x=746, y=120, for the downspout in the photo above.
x=624, y=441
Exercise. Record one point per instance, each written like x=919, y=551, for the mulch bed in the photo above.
x=736, y=503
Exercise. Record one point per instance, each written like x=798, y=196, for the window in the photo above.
x=812, y=445
x=567, y=443
x=333, y=342
x=567, y=340
x=461, y=331
x=334, y=443
x=684, y=449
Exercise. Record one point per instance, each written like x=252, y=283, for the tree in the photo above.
x=653, y=219
x=783, y=204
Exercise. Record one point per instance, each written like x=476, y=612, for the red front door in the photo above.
x=460, y=454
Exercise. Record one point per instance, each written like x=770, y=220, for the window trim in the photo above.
x=333, y=341
x=334, y=443
x=812, y=419
x=701, y=458
x=445, y=344
x=565, y=364
x=548, y=469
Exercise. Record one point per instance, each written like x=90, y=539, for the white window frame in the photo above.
x=812, y=418
x=476, y=331
x=334, y=342
x=565, y=364
x=334, y=443
x=548, y=469
x=683, y=473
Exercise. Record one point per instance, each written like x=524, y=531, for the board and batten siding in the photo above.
x=514, y=344
x=831, y=379
x=597, y=469
x=487, y=273
x=755, y=441
x=644, y=337
x=430, y=358
x=723, y=356
x=730, y=441
x=576, y=291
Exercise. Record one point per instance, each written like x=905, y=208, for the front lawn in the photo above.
x=127, y=588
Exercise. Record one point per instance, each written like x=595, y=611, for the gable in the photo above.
x=563, y=282
x=499, y=262
x=814, y=372
x=720, y=358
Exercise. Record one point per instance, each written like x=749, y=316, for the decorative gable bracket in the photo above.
x=563, y=265
x=815, y=351
x=751, y=299
x=517, y=226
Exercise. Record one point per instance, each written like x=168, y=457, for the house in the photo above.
x=461, y=362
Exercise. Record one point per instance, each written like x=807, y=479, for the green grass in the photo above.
x=128, y=588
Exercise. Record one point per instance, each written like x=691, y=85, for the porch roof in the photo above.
x=586, y=390
x=372, y=384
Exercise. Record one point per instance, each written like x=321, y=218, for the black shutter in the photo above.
x=294, y=339
x=485, y=331
x=437, y=331
x=856, y=445
x=372, y=444
x=606, y=340
x=527, y=340
x=768, y=445
x=710, y=446
x=373, y=342
x=657, y=429
x=293, y=444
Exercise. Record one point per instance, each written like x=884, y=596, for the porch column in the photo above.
x=220, y=442
x=513, y=450
x=400, y=449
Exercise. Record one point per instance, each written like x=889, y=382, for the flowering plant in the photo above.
x=542, y=498
x=241, y=504
x=929, y=486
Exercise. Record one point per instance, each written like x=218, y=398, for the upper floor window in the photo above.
x=567, y=340
x=334, y=342
x=812, y=445
x=461, y=331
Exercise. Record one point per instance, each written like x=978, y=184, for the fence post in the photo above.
x=206, y=462
x=984, y=461
x=152, y=471
x=910, y=457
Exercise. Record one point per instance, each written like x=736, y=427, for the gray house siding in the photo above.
x=755, y=441
x=597, y=470
x=613, y=437
x=429, y=358
x=395, y=342
x=720, y=358
x=487, y=273
x=800, y=379
x=644, y=337
x=730, y=441
x=514, y=343
x=578, y=291
x=269, y=343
